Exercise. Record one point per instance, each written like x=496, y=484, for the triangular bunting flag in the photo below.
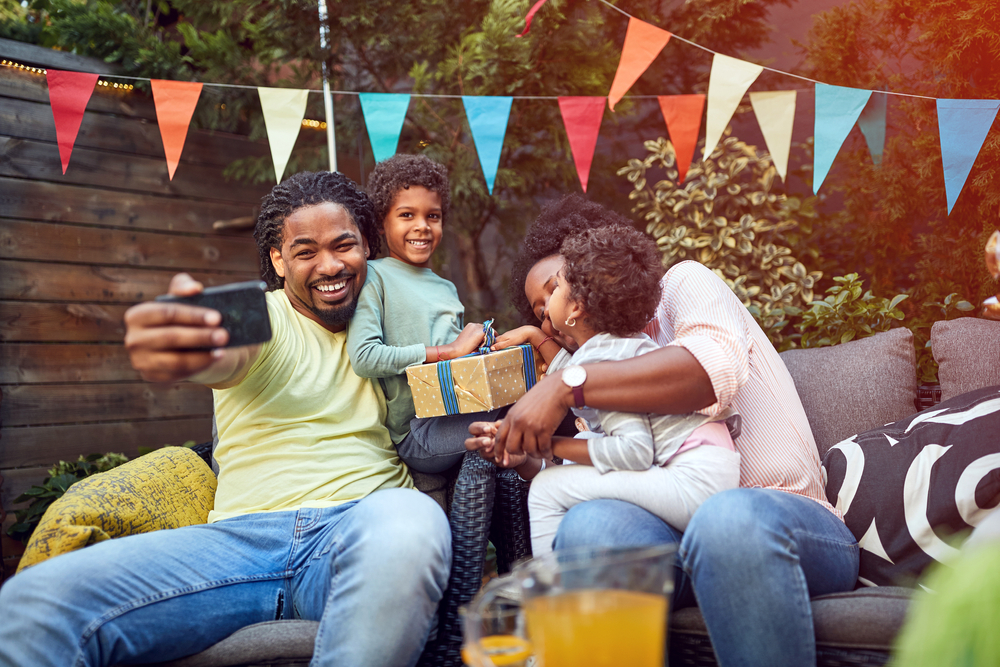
x=582, y=118
x=384, y=115
x=729, y=80
x=682, y=114
x=963, y=126
x=837, y=108
x=69, y=93
x=174, y=102
x=488, y=121
x=284, y=109
x=775, y=111
x=643, y=42
x=872, y=124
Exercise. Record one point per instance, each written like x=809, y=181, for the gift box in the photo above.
x=474, y=383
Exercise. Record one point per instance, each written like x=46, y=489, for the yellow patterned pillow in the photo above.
x=167, y=488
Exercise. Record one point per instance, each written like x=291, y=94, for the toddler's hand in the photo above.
x=518, y=336
x=482, y=438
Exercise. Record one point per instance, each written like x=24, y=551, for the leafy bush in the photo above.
x=846, y=313
x=726, y=217
x=61, y=476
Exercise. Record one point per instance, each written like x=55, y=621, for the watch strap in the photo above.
x=578, y=396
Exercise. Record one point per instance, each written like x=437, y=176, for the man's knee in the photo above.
x=408, y=525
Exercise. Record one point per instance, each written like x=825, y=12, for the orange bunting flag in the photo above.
x=582, y=118
x=69, y=93
x=682, y=114
x=643, y=42
x=175, y=102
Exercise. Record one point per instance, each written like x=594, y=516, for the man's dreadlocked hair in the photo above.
x=401, y=172
x=304, y=189
x=561, y=219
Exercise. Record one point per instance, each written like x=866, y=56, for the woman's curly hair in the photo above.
x=401, y=172
x=309, y=188
x=614, y=274
x=557, y=221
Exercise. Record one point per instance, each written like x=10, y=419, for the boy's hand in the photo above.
x=519, y=336
x=467, y=342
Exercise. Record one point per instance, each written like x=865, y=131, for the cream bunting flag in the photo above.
x=729, y=80
x=284, y=109
x=775, y=111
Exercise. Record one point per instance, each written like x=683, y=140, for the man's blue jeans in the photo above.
x=371, y=571
x=754, y=558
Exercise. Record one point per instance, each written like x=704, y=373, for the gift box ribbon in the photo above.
x=447, y=382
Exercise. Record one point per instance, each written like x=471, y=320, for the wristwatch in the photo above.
x=574, y=377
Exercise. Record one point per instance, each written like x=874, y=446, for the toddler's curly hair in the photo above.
x=558, y=221
x=401, y=172
x=614, y=274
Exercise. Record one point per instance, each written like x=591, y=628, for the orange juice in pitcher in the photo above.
x=598, y=628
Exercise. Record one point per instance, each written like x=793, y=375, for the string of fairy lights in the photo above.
x=107, y=85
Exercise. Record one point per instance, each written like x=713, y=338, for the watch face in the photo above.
x=574, y=376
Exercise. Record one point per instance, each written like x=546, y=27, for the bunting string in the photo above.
x=963, y=124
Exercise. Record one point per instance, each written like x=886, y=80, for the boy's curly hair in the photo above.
x=557, y=221
x=399, y=173
x=309, y=188
x=614, y=274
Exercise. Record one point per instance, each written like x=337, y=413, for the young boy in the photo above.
x=409, y=315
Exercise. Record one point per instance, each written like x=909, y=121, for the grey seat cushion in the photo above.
x=284, y=643
x=868, y=618
x=856, y=386
x=966, y=352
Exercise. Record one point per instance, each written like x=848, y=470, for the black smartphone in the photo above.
x=243, y=308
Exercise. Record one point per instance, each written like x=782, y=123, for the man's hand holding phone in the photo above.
x=171, y=340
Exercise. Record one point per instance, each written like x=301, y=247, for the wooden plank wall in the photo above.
x=76, y=250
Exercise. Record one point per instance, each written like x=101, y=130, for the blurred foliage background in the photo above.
x=881, y=229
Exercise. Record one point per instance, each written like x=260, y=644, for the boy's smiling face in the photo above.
x=413, y=226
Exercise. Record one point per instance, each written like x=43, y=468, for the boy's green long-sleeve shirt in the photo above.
x=402, y=310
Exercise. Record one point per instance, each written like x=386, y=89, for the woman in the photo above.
x=754, y=555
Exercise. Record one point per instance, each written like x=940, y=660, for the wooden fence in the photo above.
x=76, y=250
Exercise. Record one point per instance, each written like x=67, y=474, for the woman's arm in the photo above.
x=665, y=381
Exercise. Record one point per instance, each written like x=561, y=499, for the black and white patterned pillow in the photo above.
x=910, y=489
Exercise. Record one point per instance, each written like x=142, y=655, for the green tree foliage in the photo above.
x=438, y=47
x=892, y=225
x=846, y=313
x=726, y=216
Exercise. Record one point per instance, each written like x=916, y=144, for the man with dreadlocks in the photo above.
x=314, y=516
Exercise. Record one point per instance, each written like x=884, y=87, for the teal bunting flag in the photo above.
x=384, y=115
x=837, y=109
x=872, y=124
x=963, y=126
x=488, y=121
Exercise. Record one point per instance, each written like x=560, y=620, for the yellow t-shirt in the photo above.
x=301, y=429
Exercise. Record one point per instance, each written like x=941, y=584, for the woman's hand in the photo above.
x=530, y=423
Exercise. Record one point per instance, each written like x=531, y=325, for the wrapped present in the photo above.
x=478, y=382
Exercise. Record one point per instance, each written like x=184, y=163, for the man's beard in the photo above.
x=338, y=316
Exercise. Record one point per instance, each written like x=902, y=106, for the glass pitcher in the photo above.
x=592, y=607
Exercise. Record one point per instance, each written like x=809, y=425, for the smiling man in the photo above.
x=314, y=517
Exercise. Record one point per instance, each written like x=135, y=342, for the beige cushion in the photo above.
x=967, y=351
x=853, y=387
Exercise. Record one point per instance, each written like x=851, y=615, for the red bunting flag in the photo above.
x=531, y=14
x=582, y=118
x=682, y=114
x=643, y=42
x=175, y=102
x=69, y=93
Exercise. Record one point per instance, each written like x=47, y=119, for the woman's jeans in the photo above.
x=371, y=571
x=754, y=558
